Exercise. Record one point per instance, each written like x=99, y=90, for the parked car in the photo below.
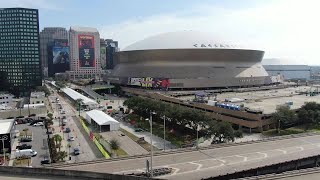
x=25, y=153
x=45, y=161
x=138, y=130
x=68, y=130
x=29, y=119
x=24, y=146
x=38, y=124
x=31, y=115
x=76, y=151
x=71, y=138
x=24, y=139
x=35, y=121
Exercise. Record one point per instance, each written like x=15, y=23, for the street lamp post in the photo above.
x=197, y=136
x=151, y=144
x=164, y=132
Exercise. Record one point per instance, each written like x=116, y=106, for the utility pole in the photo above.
x=197, y=135
x=164, y=132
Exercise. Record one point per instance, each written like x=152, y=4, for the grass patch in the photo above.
x=145, y=145
x=121, y=153
x=22, y=162
x=274, y=132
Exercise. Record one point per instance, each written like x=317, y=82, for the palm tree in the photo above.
x=114, y=144
x=79, y=102
x=57, y=138
x=62, y=155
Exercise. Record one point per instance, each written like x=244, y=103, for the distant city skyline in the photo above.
x=284, y=29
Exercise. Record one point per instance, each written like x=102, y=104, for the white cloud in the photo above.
x=286, y=29
x=37, y=4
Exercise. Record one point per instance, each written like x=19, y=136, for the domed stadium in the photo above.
x=188, y=60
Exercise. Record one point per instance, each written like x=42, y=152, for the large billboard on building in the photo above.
x=86, y=51
x=159, y=83
x=103, y=57
x=58, y=54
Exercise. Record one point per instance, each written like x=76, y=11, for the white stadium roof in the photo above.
x=75, y=95
x=182, y=40
x=83, y=29
x=101, y=118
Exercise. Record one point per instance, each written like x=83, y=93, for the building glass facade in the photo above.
x=111, y=49
x=20, y=64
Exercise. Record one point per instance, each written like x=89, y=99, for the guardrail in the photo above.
x=182, y=150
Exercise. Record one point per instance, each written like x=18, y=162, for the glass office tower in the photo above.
x=20, y=66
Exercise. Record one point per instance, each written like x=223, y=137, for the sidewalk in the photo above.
x=156, y=141
x=13, y=148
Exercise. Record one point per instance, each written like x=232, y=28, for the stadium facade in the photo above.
x=187, y=60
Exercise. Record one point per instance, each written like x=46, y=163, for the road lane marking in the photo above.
x=281, y=150
x=199, y=165
x=265, y=155
x=245, y=158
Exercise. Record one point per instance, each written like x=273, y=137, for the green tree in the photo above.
x=222, y=132
x=61, y=155
x=114, y=144
x=79, y=102
x=57, y=138
x=284, y=117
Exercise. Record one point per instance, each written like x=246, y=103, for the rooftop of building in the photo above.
x=184, y=40
x=83, y=29
x=75, y=95
x=37, y=94
x=5, y=94
x=6, y=125
x=101, y=118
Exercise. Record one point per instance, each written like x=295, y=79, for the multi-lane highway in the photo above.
x=213, y=162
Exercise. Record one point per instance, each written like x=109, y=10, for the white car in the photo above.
x=38, y=124
x=71, y=138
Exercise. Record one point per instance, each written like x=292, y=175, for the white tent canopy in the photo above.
x=102, y=119
x=75, y=95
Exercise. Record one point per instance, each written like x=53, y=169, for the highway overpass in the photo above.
x=211, y=162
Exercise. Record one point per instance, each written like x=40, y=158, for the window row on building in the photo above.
x=18, y=30
x=8, y=12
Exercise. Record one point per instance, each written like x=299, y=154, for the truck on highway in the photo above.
x=25, y=153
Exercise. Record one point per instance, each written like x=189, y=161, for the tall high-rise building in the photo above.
x=84, y=45
x=103, y=54
x=47, y=36
x=111, y=48
x=20, y=65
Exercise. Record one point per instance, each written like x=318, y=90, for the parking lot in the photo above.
x=39, y=142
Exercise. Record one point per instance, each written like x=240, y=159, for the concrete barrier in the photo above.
x=45, y=172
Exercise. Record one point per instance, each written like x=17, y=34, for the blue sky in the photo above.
x=284, y=29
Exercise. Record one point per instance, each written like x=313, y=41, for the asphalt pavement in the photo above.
x=81, y=138
x=39, y=143
x=213, y=162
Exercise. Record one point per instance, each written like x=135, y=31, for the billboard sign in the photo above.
x=158, y=83
x=86, y=51
x=103, y=57
x=60, y=55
